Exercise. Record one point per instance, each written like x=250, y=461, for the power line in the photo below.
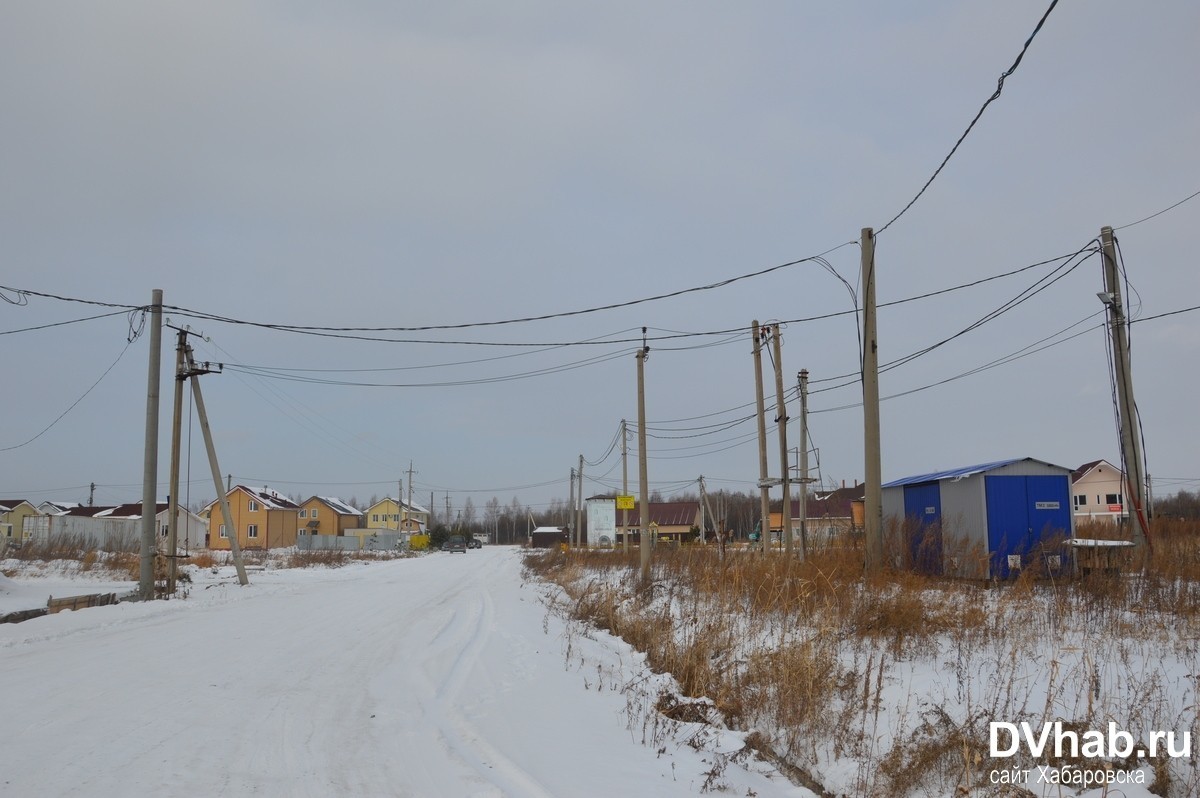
x=995, y=95
x=1160, y=213
x=63, y=323
x=61, y=415
x=1163, y=315
x=544, y=317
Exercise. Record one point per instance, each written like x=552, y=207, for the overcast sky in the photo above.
x=404, y=164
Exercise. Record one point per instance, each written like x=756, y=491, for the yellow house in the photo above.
x=389, y=514
x=327, y=515
x=13, y=513
x=264, y=519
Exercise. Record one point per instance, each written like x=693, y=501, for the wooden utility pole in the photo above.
x=1131, y=443
x=176, y=434
x=781, y=421
x=803, y=376
x=150, y=460
x=643, y=479
x=234, y=546
x=764, y=483
x=873, y=517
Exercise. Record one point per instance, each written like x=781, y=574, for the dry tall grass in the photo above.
x=901, y=673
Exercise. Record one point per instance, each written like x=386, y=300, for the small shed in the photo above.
x=983, y=521
x=547, y=537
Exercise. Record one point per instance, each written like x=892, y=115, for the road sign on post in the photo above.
x=626, y=503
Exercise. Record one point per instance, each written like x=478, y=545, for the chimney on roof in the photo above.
x=843, y=484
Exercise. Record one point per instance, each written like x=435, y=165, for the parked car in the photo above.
x=474, y=543
x=455, y=543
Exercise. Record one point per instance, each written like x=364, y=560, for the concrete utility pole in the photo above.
x=700, y=485
x=176, y=434
x=803, y=375
x=781, y=421
x=571, y=510
x=234, y=546
x=1131, y=442
x=764, y=483
x=150, y=461
x=408, y=506
x=92, y=495
x=579, y=539
x=643, y=479
x=873, y=517
x=625, y=483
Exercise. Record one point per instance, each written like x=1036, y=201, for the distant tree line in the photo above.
x=1184, y=504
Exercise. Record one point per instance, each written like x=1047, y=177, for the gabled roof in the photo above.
x=131, y=510
x=7, y=505
x=665, y=514
x=1087, y=468
x=415, y=508
x=337, y=505
x=59, y=507
x=269, y=499
x=966, y=471
x=90, y=512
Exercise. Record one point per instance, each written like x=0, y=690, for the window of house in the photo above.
x=224, y=534
x=375, y=517
x=1113, y=498
x=253, y=506
x=314, y=512
x=304, y=513
x=1081, y=500
x=252, y=531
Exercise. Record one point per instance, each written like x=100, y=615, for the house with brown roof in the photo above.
x=668, y=521
x=328, y=515
x=263, y=519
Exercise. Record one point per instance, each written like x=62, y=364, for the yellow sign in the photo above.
x=625, y=503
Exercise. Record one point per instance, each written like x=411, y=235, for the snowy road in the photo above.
x=437, y=676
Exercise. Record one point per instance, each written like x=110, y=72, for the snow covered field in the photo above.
x=443, y=675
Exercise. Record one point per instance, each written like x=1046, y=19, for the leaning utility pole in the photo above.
x=873, y=516
x=764, y=484
x=624, y=484
x=234, y=546
x=150, y=461
x=803, y=376
x=1131, y=444
x=643, y=479
x=781, y=421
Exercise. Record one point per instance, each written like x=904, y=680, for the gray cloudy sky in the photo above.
x=409, y=164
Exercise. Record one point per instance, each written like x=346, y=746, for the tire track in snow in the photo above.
x=461, y=640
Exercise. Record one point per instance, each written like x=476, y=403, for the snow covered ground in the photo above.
x=443, y=675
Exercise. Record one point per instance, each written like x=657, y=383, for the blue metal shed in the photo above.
x=982, y=521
